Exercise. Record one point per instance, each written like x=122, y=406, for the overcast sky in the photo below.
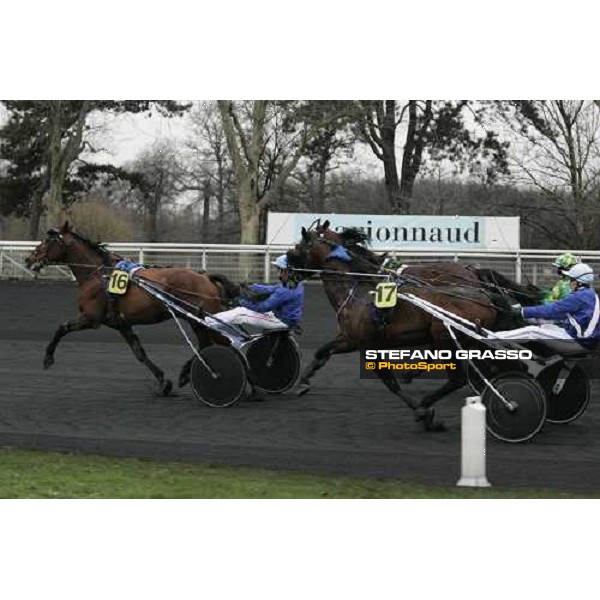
x=123, y=137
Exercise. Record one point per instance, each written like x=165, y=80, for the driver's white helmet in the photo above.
x=580, y=272
x=281, y=262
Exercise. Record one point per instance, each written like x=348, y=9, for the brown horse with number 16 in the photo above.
x=90, y=263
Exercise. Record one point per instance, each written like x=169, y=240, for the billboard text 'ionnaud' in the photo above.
x=406, y=231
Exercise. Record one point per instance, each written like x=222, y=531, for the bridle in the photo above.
x=55, y=236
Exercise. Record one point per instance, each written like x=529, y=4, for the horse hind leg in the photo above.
x=422, y=414
x=391, y=383
x=165, y=386
x=184, y=375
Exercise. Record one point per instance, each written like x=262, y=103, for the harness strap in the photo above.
x=591, y=325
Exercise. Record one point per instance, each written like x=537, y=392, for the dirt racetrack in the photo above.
x=98, y=398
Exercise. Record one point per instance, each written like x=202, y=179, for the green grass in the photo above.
x=35, y=474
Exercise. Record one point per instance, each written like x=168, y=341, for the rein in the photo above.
x=347, y=299
x=335, y=271
x=104, y=267
x=415, y=280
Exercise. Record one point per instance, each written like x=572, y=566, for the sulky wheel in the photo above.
x=529, y=414
x=219, y=379
x=570, y=403
x=274, y=363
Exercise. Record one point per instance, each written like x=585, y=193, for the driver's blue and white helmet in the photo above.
x=281, y=262
x=580, y=272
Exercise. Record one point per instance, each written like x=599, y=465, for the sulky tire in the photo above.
x=527, y=419
x=229, y=384
x=273, y=362
x=572, y=400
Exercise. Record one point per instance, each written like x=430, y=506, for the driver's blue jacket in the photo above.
x=285, y=303
x=575, y=313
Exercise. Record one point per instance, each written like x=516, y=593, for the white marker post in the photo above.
x=473, y=444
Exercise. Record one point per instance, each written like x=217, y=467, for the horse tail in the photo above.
x=229, y=289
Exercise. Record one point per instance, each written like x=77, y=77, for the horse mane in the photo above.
x=355, y=241
x=352, y=235
x=525, y=294
x=98, y=247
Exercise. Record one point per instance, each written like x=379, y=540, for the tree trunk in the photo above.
x=388, y=150
x=246, y=174
x=153, y=209
x=391, y=182
x=35, y=215
x=322, y=167
x=54, y=197
x=206, y=212
x=407, y=179
x=413, y=149
x=321, y=181
x=220, y=196
x=64, y=146
x=249, y=215
x=249, y=231
x=152, y=224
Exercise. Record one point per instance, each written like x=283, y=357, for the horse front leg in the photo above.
x=164, y=385
x=424, y=411
x=338, y=346
x=81, y=323
x=456, y=379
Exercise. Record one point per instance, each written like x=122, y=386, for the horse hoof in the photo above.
x=48, y=361
x=302, y=389
x=437, y=427
x=166, y=388
x=427, y=417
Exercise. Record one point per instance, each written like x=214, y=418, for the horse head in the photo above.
x=322, y=229
x=311, y=252
x=64, y=245
x=53, y=250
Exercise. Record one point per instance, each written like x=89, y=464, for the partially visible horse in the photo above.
x=350, y=296
x=527, y=295
x=436, y=273
x=90, y=261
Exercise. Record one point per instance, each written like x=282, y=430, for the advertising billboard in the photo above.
x=407, y=231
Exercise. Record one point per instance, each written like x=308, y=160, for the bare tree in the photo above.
x=209, y=171
x=378, y=120
x=155, y=174
x=434, y=130
x=266, y=141
x=558, y=154
x=44, y=142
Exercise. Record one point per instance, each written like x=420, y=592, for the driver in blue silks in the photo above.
x=577, y=315
x=285, y=300
x=280, y=305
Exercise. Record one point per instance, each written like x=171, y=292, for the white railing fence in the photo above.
x=253, y=263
